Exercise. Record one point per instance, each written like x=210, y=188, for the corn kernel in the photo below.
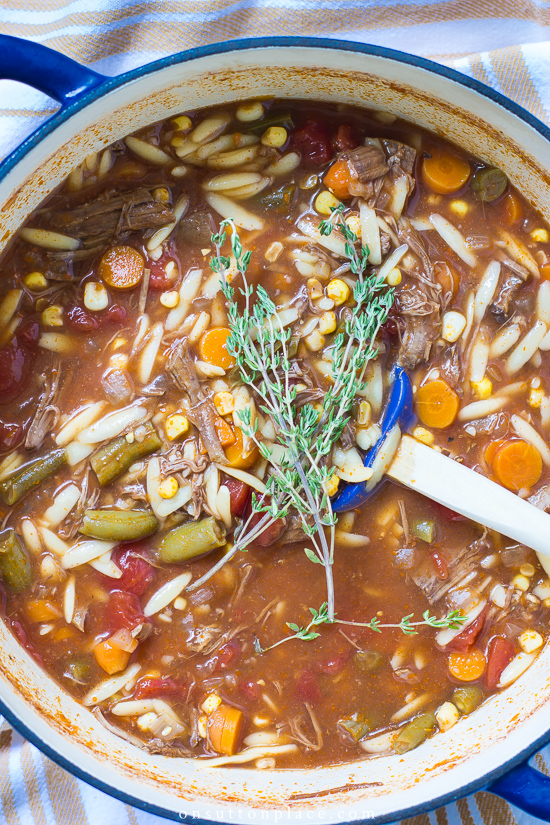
x=530, y=640
x=178, y=171
x=546, y=602
x=424, y=436
x=535, y=398
x=35, y=280
x=331, y=485
x=521, y=583
x=327, y=322
x=482, y=389
x=453, y=326
x=168, y=488
x=201, y=726
x=52, y=316
x=211, y=702
x=224, y=402
x=315, y=341
x=182, y=123
x=96, y=296
x=175, y=426
x=170, y=299
x=459, y=207
x=161, y=194
x=180, y=604
x=325, y=202
x=338, y=290
x=364, y=414
x=118, y=343
x=248, y=112
x=394, y=277
x=354, y=224
x=275, y=136
x=447, y=716
x=314, y=288
x=118, y=361
x=527, y=570
x=318, y=407
x=539, y=235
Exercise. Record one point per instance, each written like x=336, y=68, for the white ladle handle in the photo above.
x=444, y=480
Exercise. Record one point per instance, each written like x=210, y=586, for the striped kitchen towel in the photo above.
x=505, y=44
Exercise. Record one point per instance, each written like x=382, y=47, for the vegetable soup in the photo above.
x=197, y=337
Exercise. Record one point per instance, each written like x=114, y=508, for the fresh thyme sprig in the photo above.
x=358, y=260
x=300, y=461
x=453, y=620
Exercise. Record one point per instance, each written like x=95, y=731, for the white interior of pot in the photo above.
x=475, y=745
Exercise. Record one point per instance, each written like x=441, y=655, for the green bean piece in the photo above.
x=489, y=184
x=78, y=670
x=279, y=201
x=114, y=459
x=423, y=529
x=276, y=119
x=357, y=725
x=31, y=475
x=192, y=539
x=118, y=525
x=368, y=661
x=413, y=734
x=15, y=566
x=467, y=699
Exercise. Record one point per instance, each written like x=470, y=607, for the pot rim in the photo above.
x=246, y=44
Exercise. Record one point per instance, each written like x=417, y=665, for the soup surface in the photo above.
x=197, y=337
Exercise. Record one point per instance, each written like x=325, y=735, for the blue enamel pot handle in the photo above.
x=66, y=81
x=45, y=69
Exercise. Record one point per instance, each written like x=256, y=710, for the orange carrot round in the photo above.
x=517, y=465
x=121, y=267
x=213, y=348
x=42, y=610
x=225, y=728
x=244, y=453
x=225, y=432
x=512, y=208
x=545, y=272
x=110, y=657
x=437, y=404
x=444, y=172
x=491, y=449
x=467, y=666
x=338, y=179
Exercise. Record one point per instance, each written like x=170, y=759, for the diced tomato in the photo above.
x=271, y=533
x=115, y=314
x=158, y=279
x=346, y=138
x=137, y=573
x=124, y=610
x=15, y=369
x=447, y=514
x=442, y=571
x=312, y=140
x=10, y=435
x=468, y=636
x=251, y=689
x=335, y=662
x=29, y=332
x=500, y=653
x=79, y=319
x=239, y=495
x=307, y=687
x=149, y=686
x=228, y=654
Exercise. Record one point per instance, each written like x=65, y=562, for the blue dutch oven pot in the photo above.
x=325, y=69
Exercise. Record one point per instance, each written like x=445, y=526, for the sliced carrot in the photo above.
x=121, y=267
x=244, y=453
x=338, y=179
x=437, y=404
x=545, y=272
x=213, y=348
x=110, y=657
x=225, y=432
x=491, y=449
x=517, y=465
x=42, y=610
x=448, y=278
x=64, y=633
x=468, y=665
x=512, y=208
x=444, y=172
x=225, y=728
